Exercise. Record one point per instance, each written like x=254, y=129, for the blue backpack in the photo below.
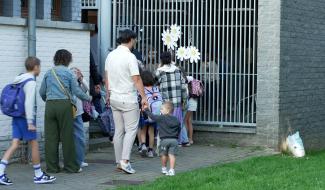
x=154, y=99
x=12, y=99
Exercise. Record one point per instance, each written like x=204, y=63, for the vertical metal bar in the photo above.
x=208, y=45
x=172, y=10
x=164, y=19
x=123, y=13
x=231, y=59
x=227, y=60
x=181, y=20
x=155, y=32
x=137, y=21
x=224, y=61
x=151, y=36
x=249, y=59
x=146, y=7
x=254, y=61
x=160, y=26
x=201, y=50
x=214, y=59
x=127, y=14
x=142, y=9
x=218, y=59
x=131, y=14
x=240, y=59
x=236, y=61
x=198, y=68
x=114, y=23
x=245, y=57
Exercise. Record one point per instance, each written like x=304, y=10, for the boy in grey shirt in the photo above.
x=169, y=128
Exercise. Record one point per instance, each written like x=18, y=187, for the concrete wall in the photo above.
x=49, y=39
x=302, y=71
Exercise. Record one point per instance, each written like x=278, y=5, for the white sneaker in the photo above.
x=127, y=168
x=171, y=172
x=45, y=178
x=80, y=170
x=84, y=164
x=164, y=170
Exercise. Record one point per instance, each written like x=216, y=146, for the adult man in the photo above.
x=123, y=82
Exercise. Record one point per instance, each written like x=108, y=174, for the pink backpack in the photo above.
x=195, y=88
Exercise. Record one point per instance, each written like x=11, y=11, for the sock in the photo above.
x=38, y=170
x=3, y=165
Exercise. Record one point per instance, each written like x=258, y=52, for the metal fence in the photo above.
x=225, y=31
x=89, y=4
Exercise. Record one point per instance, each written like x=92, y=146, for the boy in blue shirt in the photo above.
x=23, y=128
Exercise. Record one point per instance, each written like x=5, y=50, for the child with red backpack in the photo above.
x=196, y=89
x=18, y=102
x=154, y=99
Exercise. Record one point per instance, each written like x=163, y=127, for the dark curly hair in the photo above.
x=62, y=57
x=147, y=78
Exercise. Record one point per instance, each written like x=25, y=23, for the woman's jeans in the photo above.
x=79, y=139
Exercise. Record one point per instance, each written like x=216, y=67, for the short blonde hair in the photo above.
x=169, y=106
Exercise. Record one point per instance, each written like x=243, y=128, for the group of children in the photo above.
x=158, y=121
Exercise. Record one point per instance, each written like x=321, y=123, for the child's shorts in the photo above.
x=168, y=146
x=20, y=130
x=192, y=104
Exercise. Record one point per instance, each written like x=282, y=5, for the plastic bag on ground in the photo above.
x=295, y=145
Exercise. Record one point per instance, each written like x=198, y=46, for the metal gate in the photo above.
x=225, y=32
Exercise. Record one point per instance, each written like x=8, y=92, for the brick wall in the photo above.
x=14, y=51
x=302, y=72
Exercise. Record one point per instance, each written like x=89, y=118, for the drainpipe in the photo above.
x=32, y=28
x=105, y=36
x=31, y=52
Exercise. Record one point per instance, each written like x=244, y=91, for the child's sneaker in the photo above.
x=144, y=150
x=164, y=170
x=171, y=172
x=4, y=180
x=150, y=154
x=45, y=178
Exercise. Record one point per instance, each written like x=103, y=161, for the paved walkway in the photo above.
x=101, y=173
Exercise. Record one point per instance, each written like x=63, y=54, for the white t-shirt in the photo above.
x=120, y=66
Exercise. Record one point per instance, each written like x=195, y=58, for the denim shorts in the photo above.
x=192, y=104
x=20, y=130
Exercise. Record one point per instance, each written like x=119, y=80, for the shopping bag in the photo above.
x=106, y=121
x=295, y=145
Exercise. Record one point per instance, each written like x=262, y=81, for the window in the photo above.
x=56, y=10
x=1, y=12
x=24, y=8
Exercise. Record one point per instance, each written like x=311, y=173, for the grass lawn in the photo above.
x=263, y=173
